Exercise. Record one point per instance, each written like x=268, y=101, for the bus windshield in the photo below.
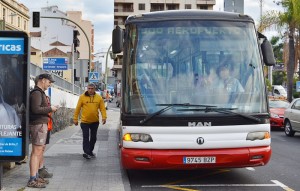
x=192, y=63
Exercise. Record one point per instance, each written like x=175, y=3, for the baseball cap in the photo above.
x=46, y=76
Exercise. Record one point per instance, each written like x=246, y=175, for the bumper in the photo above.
x=276, y=122
x=173, y=159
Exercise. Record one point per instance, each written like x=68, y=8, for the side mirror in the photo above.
x=267, y=52
x=117, y=40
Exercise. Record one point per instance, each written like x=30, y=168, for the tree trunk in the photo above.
x=291, y=65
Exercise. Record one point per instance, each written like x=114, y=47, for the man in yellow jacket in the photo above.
x=89, y=104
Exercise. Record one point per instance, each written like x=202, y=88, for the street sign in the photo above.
x=298, y=86
x=55, y=63
x=93, y=77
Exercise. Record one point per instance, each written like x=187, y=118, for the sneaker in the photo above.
x=86, y=156
x=43, y=173
x=93, y=155
x=35, y=184
x=42, y=180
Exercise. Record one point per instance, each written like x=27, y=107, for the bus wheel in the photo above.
x=288, y=129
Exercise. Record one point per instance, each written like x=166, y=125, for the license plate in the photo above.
x=198, y=160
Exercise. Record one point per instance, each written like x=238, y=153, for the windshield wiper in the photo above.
x=169, y=106
x=223, y=110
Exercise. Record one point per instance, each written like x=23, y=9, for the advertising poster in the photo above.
x=13, y=94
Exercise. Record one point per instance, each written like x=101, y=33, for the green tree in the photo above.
x=291, y=18
x=290, y=21
x=277, y=48
x=279, y=77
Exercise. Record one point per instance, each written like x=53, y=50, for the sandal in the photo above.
x=35, y=184
x=42, y=180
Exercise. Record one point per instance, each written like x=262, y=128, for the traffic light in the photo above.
x=36, y=19
x=114, y=73
x=75, y=78
x=76, y=41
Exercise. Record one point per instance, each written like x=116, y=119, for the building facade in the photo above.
x=236, y=6
x=56, y=36
x=14, y=16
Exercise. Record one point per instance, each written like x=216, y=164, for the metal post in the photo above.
x=105, y=79
x=1, y=175
x=73, y=69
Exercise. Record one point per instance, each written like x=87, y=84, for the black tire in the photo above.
x=288, y=130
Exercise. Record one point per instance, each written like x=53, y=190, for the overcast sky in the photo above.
x=101, y=14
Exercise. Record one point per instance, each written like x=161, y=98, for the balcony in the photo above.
x=206, y=2
x=122, y=10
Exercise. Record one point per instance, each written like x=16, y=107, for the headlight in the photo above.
x=136, y=137
x=258, y=136
x=274, y=115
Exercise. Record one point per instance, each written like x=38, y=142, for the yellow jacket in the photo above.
x=89, y=105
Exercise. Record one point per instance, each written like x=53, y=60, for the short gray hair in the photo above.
x=92, y=85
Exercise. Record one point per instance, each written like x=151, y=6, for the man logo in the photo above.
x=199, y=124
x=200, y=140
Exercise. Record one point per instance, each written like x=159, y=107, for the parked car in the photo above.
x=277, y=108
x=292, y=118
x=279, y=91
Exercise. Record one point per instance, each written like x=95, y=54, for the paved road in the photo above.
x=72, y=171
x=280, y=174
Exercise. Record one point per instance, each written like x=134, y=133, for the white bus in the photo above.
x=193, y=91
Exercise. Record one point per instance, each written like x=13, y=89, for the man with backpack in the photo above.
x=38, y=127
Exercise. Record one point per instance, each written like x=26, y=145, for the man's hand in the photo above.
x=75, y=122
x=54, y=108
x=103, y=121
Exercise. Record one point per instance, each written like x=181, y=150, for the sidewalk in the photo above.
x=71, y=171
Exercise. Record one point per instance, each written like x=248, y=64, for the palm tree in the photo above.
x=290, y=20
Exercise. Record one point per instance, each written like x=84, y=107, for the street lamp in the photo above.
x=106, y=71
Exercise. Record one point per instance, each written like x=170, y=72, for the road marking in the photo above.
x=250, y=168
x=213, y=185
x=202, y=176
x=181, y=186
x=282, y=185
x=172, y=185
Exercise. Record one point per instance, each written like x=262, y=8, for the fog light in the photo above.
x=257, y=157
x=146, y=159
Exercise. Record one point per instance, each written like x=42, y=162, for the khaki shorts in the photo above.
x=38, y=134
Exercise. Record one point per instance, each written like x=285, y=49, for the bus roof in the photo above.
x=187, y=14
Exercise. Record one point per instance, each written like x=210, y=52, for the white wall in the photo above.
x=59, y=96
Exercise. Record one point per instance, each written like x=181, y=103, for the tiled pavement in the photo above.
x=73, y=172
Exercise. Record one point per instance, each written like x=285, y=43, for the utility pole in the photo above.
x=106, y=71
x=73, y=69
x=260, y=8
